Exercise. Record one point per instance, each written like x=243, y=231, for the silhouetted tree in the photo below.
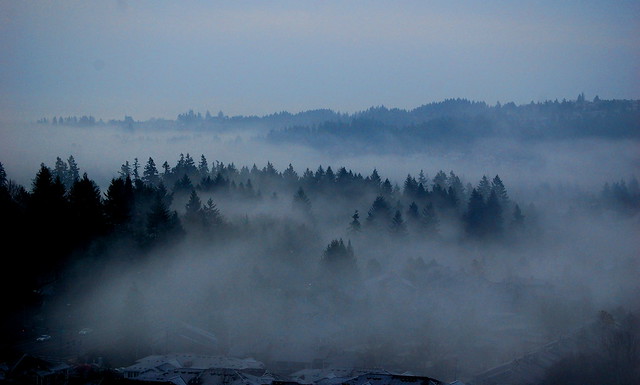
x=125, y=170
x=61, y=171
x=118, y=203
x=410, y=188
x=429, y=220
x=183, y=185
x=203, y=167
x=474, y=217
x=484, y=187
x=493, y=218
x=440, y=180
x=150, y=173
x=194, y=214
x=355, y=226
x=339, y=257
x=162, y=224
x=46, y=214
x=301, y=202
x=413, y=214
x=212, y=217
x=136, y=170
x=380, y=213
x=398, y=227
x=85, y=202
x=501, y=192
x=73, y=172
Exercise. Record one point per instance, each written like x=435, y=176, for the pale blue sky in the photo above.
x=160, y=58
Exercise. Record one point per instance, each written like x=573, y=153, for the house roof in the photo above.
x=192, y=361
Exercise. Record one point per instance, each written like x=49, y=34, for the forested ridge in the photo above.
x=64, y=214
x=448, y=122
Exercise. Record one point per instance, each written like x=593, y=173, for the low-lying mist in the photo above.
x=585, y=163
x=440, y=304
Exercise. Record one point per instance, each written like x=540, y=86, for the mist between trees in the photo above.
x=432, y=273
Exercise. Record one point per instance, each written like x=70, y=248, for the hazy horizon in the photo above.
x=148, y=59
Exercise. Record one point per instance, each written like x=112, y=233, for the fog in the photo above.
x=443, y=306
x=100, y=151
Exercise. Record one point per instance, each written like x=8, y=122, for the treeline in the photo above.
x=64, y=215
x=461, y=121
x=446, y=121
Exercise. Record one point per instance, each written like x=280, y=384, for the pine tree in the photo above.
x=301, y=202
x=429, y=219
x=150, y=174
x=47, y=214
x=440, y=180
x=329, y=176
x=189, y=165
x=203, y=167
x=338, y=257
x=413, y=214
x=494, y=220
x=61, y=171
x=166, y=171
x=136, y=170
x=455, y=185
x=85, y=202
x=375, y=180
x=73, y=173
x=379, y=213
x=118, y=203
x=162, y=224
x=410, y=187
x=3, y=177
x=183, y=185
x=422, y=178
x=474, y=217
x=501, y=192
x=355, y=226
x=398, y=227
x=484, y=188
x=290, y=176
x=193, y=210
x=212, y=217
x=386, y=189
x=125, y=170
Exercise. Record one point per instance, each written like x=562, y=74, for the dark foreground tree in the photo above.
x=162, y=224
x=85, y=202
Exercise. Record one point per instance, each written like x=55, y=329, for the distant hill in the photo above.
x=447, y=122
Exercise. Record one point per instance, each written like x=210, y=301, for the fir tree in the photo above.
x=501, y=192
x=338, y=257
x=193, y=210
x=301, y=202
x=203, y=167
x=398, y=227
x=493, y=216
x=212, y=216
x=118, y=203
x=474, y=217
x=150, y=174
x=355, y=226
x=379, y=213
x=429, y=219
x=73, y=172
x=484, y=188
x=86, y=209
